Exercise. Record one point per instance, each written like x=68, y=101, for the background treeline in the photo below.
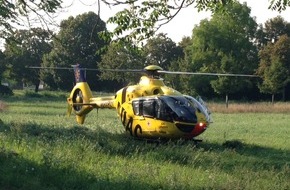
x=226, y=43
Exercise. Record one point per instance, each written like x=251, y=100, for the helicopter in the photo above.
x=148, y=109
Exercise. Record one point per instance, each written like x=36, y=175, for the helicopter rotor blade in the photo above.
x=55, y=68
x=206, y=74
x=125, y=70
x=63, y=68
x=146, y=70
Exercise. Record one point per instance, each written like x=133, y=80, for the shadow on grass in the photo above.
x=237, y=153
x=229, y=155
x=19, y=173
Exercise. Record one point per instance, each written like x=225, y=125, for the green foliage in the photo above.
x=2, y=64
x=142, y=19
x=279, y=5
x=76, y=43
x=275, y=78
x=5, y=90
x=121, y=56
x=224, y=45
x=272, y=30
x=274, y=66
x=25, y=48
x=12, y=12
x=43, y=149
x=161, y=50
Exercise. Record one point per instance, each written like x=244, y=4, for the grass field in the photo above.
x=41, y=148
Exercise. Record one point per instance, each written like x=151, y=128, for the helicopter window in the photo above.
x=145, y=107
x=182, y=109
x=149, y=108
x=152, y=108
x=137, y=107
x=163, y=111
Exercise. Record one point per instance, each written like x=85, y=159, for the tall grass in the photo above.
x=41, y=148
x=257, y=107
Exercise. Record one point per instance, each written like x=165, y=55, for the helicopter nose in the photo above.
x=199, y=128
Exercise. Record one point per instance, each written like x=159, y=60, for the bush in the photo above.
x=5, y=90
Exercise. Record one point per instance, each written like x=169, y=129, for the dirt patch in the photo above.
x=3, y=106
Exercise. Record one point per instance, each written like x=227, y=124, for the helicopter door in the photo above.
x=152, y=108
x=146, y=110
x=149, y=107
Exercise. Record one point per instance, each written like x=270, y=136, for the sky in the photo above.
x=182, y=24
x=177, y=28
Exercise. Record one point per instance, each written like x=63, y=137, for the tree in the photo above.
x=77, y=42
x=224, y=45
x=275, y=78
x=272, y=30
x=141, y=19
x=12, y=13
x=161, y=51
x=2, y=65
x=274, y=67
x=23, y=49
x=182, y=83
x=121, y=56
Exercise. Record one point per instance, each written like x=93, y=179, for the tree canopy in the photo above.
x=2, y=64
x=23, y=49
x=275, y=66
x=14, y=13
x=77, y=42
x=224, y=45
x=161, y=50
x=227, y=43
x=139, y=20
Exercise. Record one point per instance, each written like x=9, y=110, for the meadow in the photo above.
x=247, y=147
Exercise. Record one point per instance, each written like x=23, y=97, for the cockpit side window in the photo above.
x=145, y=107
x=137, y=107
x=163, y=112
x=149, y=108
x=154, y=108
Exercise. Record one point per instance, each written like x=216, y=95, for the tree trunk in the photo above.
x=273, y=97
x=37, y=86
x=283, y=94
x=227, y=101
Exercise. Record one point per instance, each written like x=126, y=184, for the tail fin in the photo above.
x=80, y=96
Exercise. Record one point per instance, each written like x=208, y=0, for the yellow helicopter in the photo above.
x=149, y=109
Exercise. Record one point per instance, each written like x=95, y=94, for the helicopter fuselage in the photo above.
x=149, y=109
x=152, y=110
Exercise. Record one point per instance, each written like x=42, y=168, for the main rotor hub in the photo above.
x=152, y=71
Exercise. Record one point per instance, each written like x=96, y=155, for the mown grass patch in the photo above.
x=41, y=148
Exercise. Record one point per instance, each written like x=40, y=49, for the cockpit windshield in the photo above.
x=182, y=109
